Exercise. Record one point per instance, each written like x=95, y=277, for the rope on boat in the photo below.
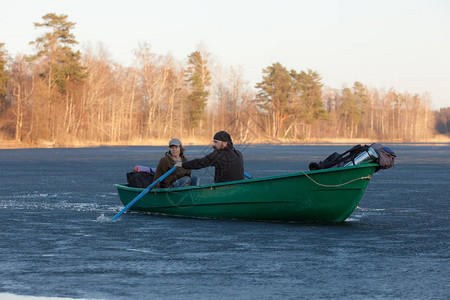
x=337, y=185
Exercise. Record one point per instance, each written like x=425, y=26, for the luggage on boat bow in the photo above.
x=356, y=155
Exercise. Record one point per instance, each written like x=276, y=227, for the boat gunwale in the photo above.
x=244, y=181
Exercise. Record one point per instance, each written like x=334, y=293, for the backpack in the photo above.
x=385, y=156
x=140, y=179
x=339, y=160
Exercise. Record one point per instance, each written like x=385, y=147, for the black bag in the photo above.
x=338, y=160
x=140, y=179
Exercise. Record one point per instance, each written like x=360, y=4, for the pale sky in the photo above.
x=382, y=44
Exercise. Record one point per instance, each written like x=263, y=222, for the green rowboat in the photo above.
x=329, y=195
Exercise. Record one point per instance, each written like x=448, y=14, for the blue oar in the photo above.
x=247, y=175
x=144, y=192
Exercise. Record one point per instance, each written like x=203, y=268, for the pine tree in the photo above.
x=55, y=48
x=60, y=69
x=198, y=79
x=308, y=102
x=274, y=96
x=308, y=87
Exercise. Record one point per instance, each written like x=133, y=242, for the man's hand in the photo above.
x=178, y=164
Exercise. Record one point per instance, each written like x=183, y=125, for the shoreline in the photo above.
x=441, y=141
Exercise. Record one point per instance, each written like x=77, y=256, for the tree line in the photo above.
x=61, y=96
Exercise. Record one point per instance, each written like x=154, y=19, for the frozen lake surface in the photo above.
x=58, y=240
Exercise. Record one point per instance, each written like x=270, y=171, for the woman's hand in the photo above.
x=178, y=164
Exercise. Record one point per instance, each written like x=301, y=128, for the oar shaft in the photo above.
x=144, y=192
x=247, y=175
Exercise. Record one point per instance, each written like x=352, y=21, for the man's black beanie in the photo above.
x=224, y=137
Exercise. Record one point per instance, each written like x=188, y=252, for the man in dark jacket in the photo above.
x=227, y=161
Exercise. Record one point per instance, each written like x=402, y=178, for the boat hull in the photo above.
x=329, y=195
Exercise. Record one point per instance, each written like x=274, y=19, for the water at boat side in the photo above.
x=58, y=239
